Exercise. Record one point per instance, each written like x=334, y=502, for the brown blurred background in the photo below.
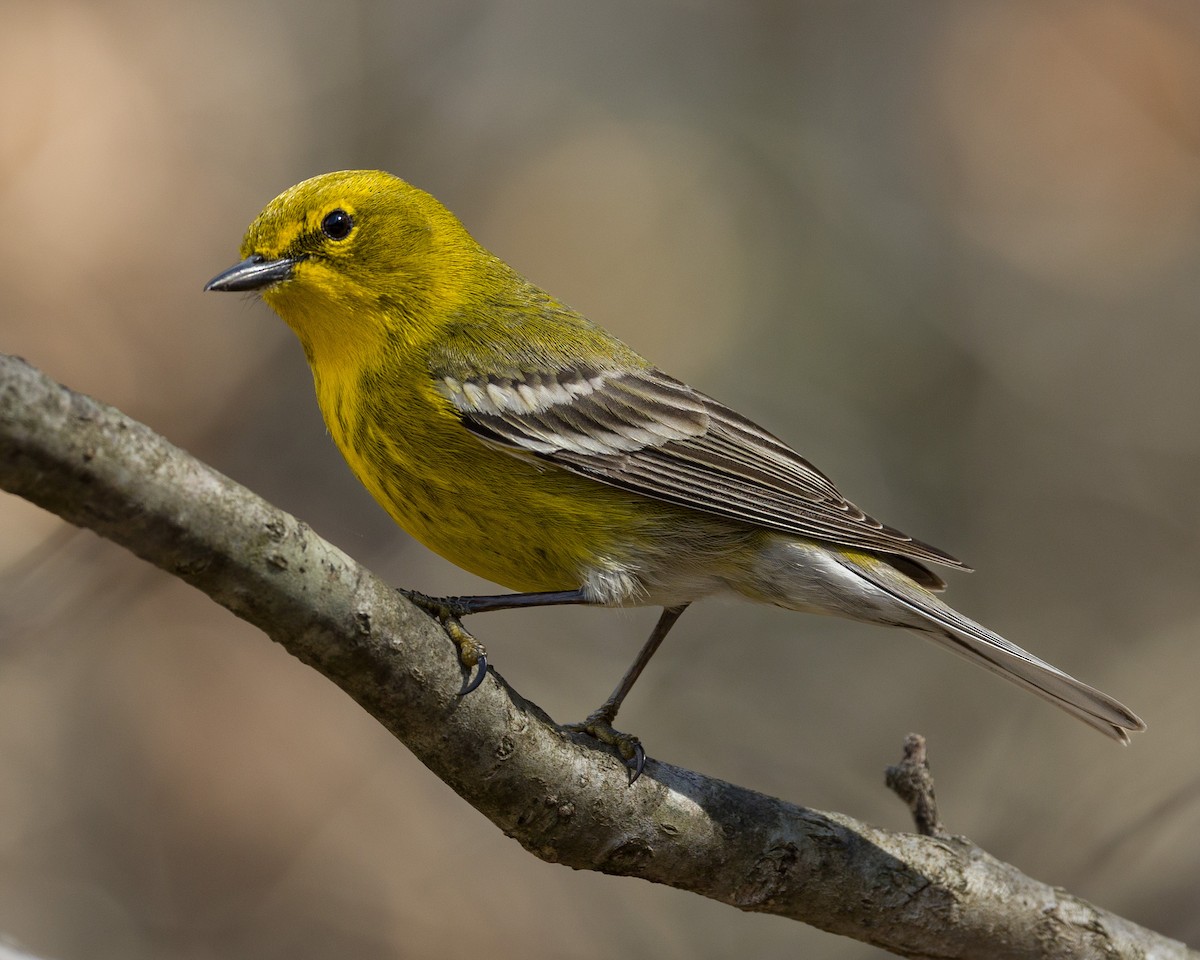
x=949, y=250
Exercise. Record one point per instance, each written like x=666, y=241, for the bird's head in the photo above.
x=347, y=256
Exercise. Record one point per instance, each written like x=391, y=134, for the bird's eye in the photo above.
x=337, y=225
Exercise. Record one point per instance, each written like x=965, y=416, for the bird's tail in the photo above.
x=968, y=639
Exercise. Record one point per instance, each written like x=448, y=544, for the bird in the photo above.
x=528, y=445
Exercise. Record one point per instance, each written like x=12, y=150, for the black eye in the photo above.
x=337, y=225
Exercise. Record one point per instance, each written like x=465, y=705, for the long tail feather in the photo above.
x=969, y=639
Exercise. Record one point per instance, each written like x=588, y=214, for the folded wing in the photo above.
x=653, y=435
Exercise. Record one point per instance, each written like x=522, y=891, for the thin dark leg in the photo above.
x=472, y=656
x=465, y=606
x=599, y=723
x=607, y=711
x=471, y=653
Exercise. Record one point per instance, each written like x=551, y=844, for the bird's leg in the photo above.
x=473, y=657
x=471, y=653
x=599, y=722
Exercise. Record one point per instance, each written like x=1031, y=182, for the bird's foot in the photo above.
x=471, y=653
x=629, y=748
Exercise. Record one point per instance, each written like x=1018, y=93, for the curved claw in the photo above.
x=636, y=763
x=470, y=651
x=629, y=748
x=471, y=683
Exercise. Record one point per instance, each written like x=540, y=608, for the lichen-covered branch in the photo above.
x=564, y=798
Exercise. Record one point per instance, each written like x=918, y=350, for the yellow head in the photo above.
x=346, y=256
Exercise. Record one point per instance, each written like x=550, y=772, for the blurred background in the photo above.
x=948, y=250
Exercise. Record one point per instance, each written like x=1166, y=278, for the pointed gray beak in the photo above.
x=253, y=273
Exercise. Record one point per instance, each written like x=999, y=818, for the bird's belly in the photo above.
x=522, y=525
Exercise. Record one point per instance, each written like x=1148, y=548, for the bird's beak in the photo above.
x=253, y=273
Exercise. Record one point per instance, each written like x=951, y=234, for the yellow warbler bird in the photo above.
x=522, y=442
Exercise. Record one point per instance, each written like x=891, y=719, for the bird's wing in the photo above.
x=648, y=433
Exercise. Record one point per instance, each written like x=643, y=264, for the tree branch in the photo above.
x=562, y=797
x=912, y=781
